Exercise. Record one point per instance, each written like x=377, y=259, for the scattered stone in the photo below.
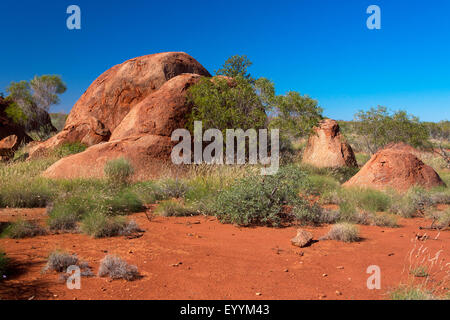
x=340, y=267
x=324, y=275
x=302, y=239
x=338, y=293
x=259, y=294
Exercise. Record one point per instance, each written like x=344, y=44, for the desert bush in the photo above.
x=411, y=204
x=173, y=188
x=368, y=199
x=317, y=184
x=27, y=193
x=340, y=174
x=59, y=261
x=4, y=262
x=378, y=127
x=69, y=148
x=343, y=231
x=148, y=192
x=123, y=202
x=172, y=208
x=66, y=211
x=23, y=229
x=116, y=268
x=258, y=200
x=384, y=220
x=411, y=293
x=100, y=225
x=118, y=171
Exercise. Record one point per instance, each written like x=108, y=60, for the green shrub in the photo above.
x=317, y=184
x=343, y=231
x=347, y=211
x=259, y=200
x=23, y=229
x=69, y=148
x=118, y=171
x=28, y=193
x=171, y=208
x=173, y=188
x=123, y=202
x=413, y=203
x=384, y=220
x=148, y=192
x=100, y=225
x=67, y=211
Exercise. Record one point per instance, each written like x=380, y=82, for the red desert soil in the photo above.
x=200, y=258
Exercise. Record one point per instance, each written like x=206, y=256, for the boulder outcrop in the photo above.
x=396, y=169
x=326, y=147
x=110, y=98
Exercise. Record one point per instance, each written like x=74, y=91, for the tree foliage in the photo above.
x=378, y=127
x=237, y=100
x=236, y=66
x=296, y=114
x=34, y=99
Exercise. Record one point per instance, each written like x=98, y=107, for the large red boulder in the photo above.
x=143, y=137
x=327, y=148
x=397, y=169
x=115, y=93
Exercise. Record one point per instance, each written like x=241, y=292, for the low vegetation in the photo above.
x=343, y=231
x=59, y=261
x=23, y=229
x=117, y=268
x=119, y=171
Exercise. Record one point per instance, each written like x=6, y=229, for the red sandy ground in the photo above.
x=200, y=258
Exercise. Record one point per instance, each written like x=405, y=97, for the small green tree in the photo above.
x=34, y=98
x=296, y=115
x=236, y=66
x=46, y=89
x=378, y=127
x=223, y=105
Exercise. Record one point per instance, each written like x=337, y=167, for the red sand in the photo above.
x=218, y=261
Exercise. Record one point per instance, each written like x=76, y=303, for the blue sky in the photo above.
x=317, y=47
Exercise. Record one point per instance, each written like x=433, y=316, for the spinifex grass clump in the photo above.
x=343, y=231
x=117, y=268
x=67, y=149
x=100, y=225
x=23, y=229
x=119, y=171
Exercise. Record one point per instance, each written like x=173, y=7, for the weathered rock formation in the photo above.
x=326, y=147
x=143, y=136
x=397, y=169
x=115, y=93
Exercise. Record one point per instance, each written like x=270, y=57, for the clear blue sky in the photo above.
x=317, y=47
